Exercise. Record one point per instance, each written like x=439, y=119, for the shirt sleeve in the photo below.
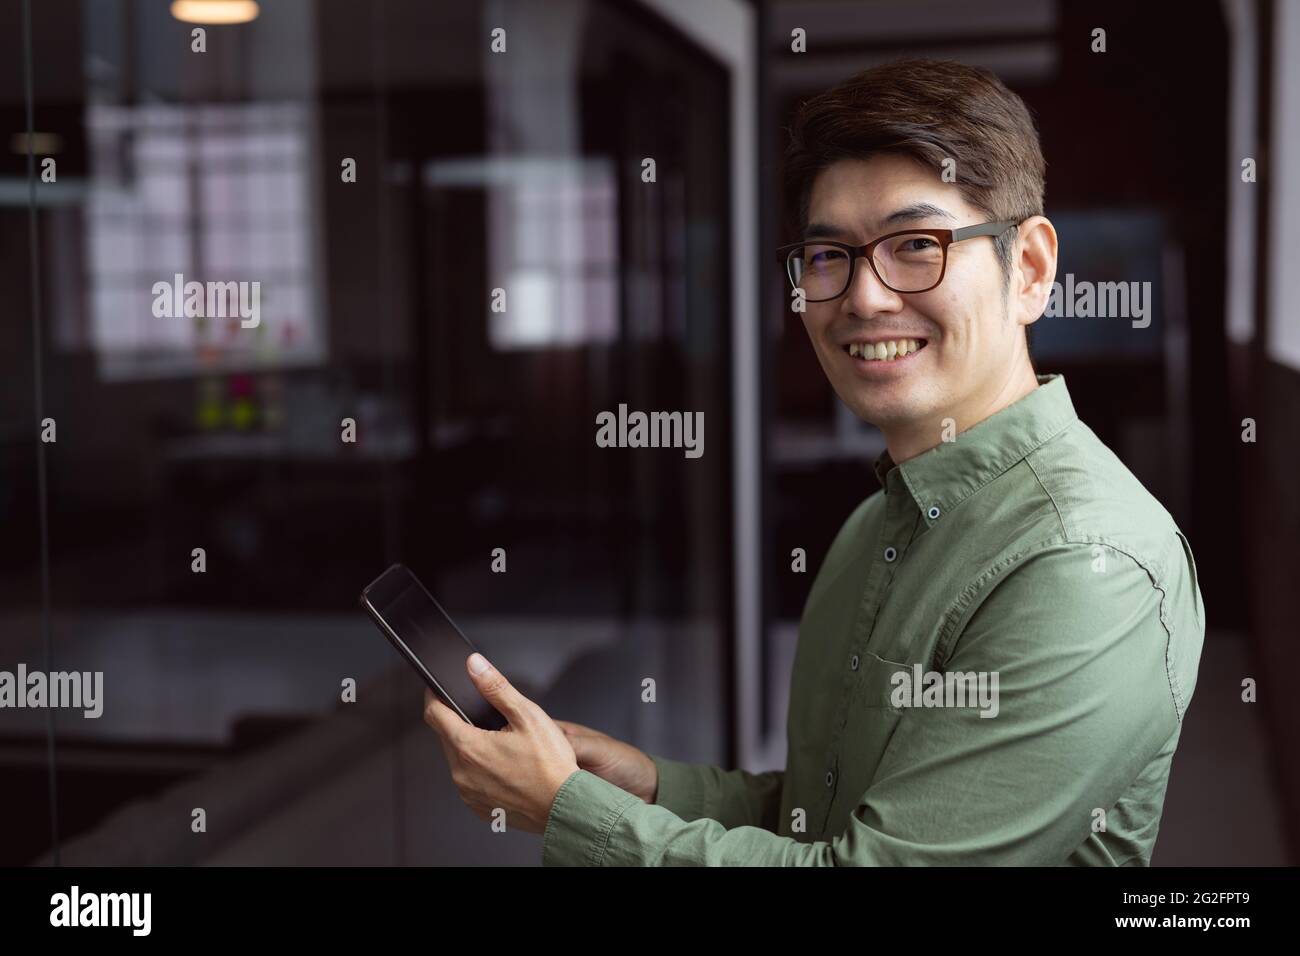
x=732, y=797
x=1084, y=704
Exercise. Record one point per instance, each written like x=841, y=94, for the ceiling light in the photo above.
x=215, y=11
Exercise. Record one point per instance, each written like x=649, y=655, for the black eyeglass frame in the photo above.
x=945, y=238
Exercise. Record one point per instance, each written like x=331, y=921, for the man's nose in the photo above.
x=866, y=294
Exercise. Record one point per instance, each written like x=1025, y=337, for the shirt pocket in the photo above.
x=877, y=683
x=872, y=723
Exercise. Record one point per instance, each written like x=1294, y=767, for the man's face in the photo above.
x=970, y=346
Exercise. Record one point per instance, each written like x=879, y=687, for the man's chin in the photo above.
x=886, y=410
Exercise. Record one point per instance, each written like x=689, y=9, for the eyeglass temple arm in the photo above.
x=983, y=229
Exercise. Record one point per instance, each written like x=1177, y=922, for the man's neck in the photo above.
x=911, y=439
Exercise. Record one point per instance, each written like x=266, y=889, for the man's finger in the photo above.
x=442, y=718
x=498, y=691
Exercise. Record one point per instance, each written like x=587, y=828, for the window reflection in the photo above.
x=215, y=194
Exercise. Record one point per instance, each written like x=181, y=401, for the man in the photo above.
x=998, y=650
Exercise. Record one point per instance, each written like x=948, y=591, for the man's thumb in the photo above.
x=496, y=690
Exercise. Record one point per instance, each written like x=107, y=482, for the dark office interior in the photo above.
x=476, y=172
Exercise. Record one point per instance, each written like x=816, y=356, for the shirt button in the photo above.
x=890, y=553
x=830, y=778
x=854, y=662
x=933, y=512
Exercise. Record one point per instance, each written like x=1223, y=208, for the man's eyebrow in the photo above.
x=825, y=230
x=910, y=213
x=917, y=210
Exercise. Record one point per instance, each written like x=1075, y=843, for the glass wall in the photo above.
x=298, y=298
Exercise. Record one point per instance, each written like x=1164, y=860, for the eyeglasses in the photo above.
x=913, y=260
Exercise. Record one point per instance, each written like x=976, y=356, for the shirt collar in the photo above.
x=941, y=477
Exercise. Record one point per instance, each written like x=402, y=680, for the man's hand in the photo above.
x=518, y=769
x=609, y=758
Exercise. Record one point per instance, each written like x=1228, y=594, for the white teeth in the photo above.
x=884, y=351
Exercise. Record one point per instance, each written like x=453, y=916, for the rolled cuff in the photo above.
x=584, y=813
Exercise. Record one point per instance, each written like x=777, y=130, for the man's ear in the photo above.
x=1036, y=268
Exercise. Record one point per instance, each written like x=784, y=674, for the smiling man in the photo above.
x=1000, y=645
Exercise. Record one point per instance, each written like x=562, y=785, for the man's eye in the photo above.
x=824, y=256
x=918, y=244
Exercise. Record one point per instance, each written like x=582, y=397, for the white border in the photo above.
x=1283, y=344
x=1243, y=33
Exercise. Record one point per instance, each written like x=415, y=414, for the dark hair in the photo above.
x=930, y=110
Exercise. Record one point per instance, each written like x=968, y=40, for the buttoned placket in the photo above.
x=902, y=517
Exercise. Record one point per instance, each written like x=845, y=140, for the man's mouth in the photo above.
x=887, y=350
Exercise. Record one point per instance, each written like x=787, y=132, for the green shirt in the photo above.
x=1022, y=550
